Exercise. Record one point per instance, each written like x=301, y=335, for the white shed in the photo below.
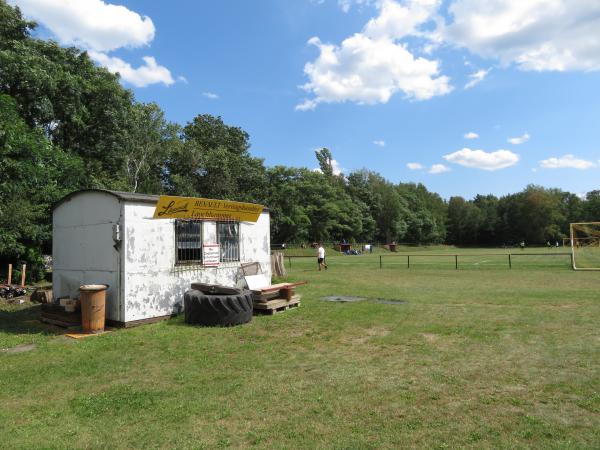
x=111, y=238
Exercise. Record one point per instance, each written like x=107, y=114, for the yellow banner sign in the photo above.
x=205, y=209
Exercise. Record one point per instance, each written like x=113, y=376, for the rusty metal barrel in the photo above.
x=93, y=301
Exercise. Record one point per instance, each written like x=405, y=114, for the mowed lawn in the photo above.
x=492, y=358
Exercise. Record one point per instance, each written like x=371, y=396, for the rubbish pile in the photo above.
x=9, y=291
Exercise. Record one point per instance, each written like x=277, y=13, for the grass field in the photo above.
x=469, y=359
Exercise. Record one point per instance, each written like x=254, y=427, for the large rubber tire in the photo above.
x=215, y=289
x=217, y=310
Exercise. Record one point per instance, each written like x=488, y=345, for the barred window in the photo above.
x=188, y=241
x=229, y=240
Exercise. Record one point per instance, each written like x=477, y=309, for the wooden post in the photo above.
x=509, y=262
x=9, y=274
x=23, y=269
x=456, y=261
x=290, y=260
x=380, y=263
x=408, y=261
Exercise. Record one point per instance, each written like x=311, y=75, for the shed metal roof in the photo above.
x=130, y=196
x=126, y=196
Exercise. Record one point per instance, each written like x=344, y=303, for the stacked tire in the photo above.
x=217, y=309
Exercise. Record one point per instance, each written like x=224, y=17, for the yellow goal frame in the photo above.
x=572, y=226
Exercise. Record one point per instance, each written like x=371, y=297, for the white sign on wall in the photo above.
x=210, y=255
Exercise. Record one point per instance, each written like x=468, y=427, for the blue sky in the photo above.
x=388, y=84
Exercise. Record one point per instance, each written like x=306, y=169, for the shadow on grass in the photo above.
x=25, y=319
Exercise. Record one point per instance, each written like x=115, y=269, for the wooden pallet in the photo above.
x=55, y=315
x=275, y=306
x=59, y=321
x=260, y=297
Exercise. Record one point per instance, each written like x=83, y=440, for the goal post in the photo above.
x=585, y=245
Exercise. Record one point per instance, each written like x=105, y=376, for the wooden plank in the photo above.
x=62, y=316
x=277, y=310
x=276, y=287
x=135, y=323
x=271, y=288
x=278, y=303
x=265, y=297
x=294, y=299
x=84, y=335
x=60, y=323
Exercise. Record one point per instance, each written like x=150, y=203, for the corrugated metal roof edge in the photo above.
x=128, y=196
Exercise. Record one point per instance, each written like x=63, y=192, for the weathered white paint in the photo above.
x=144, y=280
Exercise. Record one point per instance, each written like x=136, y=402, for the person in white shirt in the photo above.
x=321, y=257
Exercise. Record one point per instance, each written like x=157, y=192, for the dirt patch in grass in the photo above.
x=19, y=348
x=368, y=334
x=342, y=298
x=430, y=337
x=385, y=301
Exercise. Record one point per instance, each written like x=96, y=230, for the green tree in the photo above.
x=33, y=175
x=151, y=141
x=591, y=208
x=325, y=161
x=488, y=233
x=80, y=107
x=214, y=161
x=464, y=222
x=289, y=219
x=426, y=217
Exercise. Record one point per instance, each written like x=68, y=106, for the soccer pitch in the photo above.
x=432, y=357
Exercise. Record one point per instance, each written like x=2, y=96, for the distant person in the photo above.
x=556, y=244
x=522, y=245
x=321, y=257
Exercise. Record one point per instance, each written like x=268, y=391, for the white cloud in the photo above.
x=538, y=35
x=471, y=135
x=337, y=169
x=380, y=143
x=149, y=73
x=371, y=66
x=438, y=168
x=397, y=20
x=210, y=95
x=335, y=166
x=477, y=77
x=306, y=105
x=92, y=24
x=414, y=166
x=346, y=5
x=534, y=34
x=519, y=140
x=566, y=162
x=480, y=159
x=101, y=27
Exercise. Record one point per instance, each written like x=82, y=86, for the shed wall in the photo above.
x=153, y=285
x=83, y=248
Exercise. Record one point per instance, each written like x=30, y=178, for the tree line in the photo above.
x=67, y=124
